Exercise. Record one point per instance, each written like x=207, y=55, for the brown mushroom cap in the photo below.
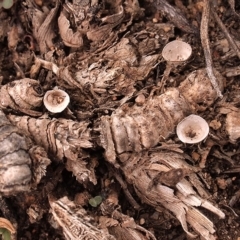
x=177, y=51
x=192, y=129
x=56, y=100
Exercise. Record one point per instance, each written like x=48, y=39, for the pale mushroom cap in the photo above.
x=177, y=51
x=192, y=129
x=56, y=100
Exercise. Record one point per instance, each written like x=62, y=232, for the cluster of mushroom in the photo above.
x=192, y=129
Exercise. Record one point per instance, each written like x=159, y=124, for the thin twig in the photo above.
x=206, y=46
x=226, y=33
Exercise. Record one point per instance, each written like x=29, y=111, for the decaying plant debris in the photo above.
x=115, y=138
x=22, y=164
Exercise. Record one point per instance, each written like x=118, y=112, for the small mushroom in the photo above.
x=177, y=51
x=192, y=129
x=56, y=100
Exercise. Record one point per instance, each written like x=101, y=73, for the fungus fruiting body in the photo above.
x=56, y=100
x=177, y=51
x=192, y=129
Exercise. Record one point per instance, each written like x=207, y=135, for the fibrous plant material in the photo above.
x=192, y=129
x=43, y=27
x=132, y=129
x=62, y=139
x=75, y=222
x=21, y=164
x=135, y=128
x=24, y=95
x=83, y=14
x=145, y=172
x=56, y=100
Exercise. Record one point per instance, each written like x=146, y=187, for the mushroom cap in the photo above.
x=56, y=100
x=192, y=129
x=177, y=51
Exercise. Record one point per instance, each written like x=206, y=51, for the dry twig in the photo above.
x=206, y=46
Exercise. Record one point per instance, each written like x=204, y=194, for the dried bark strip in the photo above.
x=206, y=46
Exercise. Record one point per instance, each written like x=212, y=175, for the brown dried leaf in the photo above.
x=43, y=27
x=70, y=38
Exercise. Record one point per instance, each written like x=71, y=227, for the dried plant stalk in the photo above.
x=143, y=170
x=134, y=128
x=61, y=138
x=21, y=165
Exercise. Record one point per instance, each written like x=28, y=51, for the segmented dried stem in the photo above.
x=61, y=137
x=206, y=46
x=19, y=162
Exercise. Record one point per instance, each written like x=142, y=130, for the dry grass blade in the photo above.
x=206, y=46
